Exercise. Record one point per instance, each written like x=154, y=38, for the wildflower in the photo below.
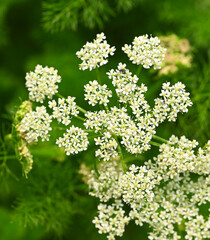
x=96, y=93
x=105, y=186
x=74, y=140
x=64, y=109
x=36, y=124
x=111, y=219
x=177, y=156
x=178, y=54
x=94, y=54
x=174, y=99
x=107, y=148
x=42, y=83
x=145, y=51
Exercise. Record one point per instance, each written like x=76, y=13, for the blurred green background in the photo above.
x=53, y=202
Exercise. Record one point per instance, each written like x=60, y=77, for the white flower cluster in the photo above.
x=198, y=228
x=177, y=156
x=74, y=140
x=137, y=185
x=64, y=109
x=105, y=186
x=94, y=54
x=108, y=146
x=111, y=220
x=160, y=193
x=136, y=132
x=124, y=82
x=154, y=198
x=42, y=83
x=174, y=205
x=36, y=124
x=119, y=123
x=174, y=99
x=96, y=93
x=145, y=51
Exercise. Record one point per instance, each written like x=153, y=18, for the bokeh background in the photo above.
x=53, y=202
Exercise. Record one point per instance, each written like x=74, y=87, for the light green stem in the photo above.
x=159, y=139
x=121, y=155
x=155, y=144
x=95, y=167
x=81, y=109
x=138, y=70
x=98, y=75
x=59, y=95
x=80, y=118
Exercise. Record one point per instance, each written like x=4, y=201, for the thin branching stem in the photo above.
x=159, y=139
x=95, y=167
x=78, y=107
x=81, y=109
x=98, y=75
x=138, y=70
x=122, y=160
x=155, y=144
x=80, y=118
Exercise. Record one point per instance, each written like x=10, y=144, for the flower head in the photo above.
x=74, y=140
x=36, y=124
x=146, y=52
x=63, y=110
x=42, y=83
x=96, y=93
x=94, y=54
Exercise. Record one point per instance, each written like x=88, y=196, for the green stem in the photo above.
x=121, y=155
x=95, y=167
x=8, y=157
x=98, y=75
x=80, y=118
x=155, y=144
x=86, y=130
x=138, y=70
x=78, y=107
x=107, y=108
x=159, y=139
x=81, y=109
x=59, y=95
x=133, y=158
x=60, y=128
x=11, y=173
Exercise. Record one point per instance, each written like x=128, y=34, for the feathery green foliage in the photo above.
x=62, y=14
